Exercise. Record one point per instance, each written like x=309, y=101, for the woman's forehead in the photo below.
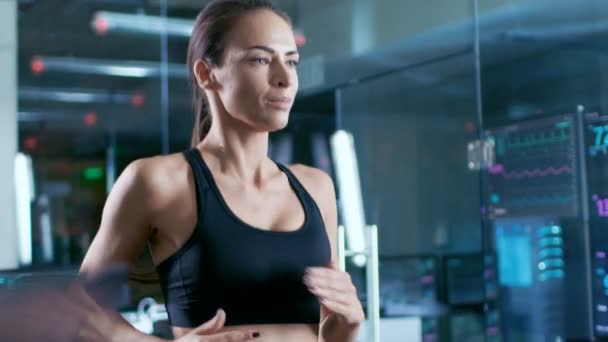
x=262, y=28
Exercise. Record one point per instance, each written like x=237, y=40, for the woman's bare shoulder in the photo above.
x=317, y=182
x=142, y=193
x=312, y=175
x=161, y=177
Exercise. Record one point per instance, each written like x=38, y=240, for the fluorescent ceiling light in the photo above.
x=75, y=95
x=135, y=69
x=127, y=71
x=35, y=116
x=104, y=22
x=558, y=32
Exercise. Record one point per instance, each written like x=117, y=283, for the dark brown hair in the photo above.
x=207, y=43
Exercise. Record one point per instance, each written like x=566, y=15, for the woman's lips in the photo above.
x=279, y=98
x=280, y=103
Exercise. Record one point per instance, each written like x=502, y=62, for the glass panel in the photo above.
x=375, y=37
x=87, y=107
x=544, y=107
x=412, y=128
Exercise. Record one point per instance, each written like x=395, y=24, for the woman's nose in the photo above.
x=281, y=77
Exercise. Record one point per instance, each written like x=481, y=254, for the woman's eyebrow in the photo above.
x=270, y=50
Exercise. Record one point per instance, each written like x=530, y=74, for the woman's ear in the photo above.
x=204, y=75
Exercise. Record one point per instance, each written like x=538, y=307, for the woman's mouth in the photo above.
x=282, y=103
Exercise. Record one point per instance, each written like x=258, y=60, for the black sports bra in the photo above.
x=254, y=275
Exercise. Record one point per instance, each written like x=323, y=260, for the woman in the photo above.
x=245, y=247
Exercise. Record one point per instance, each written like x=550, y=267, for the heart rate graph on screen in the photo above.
x=535, y=169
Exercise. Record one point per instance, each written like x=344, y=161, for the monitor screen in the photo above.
x=407, y=285
x=535, y=169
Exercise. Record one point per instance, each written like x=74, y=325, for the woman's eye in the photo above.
x=261, y=60
x=294, y=63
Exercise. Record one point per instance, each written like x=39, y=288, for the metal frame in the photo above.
x=372, y=275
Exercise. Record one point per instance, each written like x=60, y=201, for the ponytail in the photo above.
x=202, y=118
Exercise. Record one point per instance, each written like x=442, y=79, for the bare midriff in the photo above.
x=270, y=332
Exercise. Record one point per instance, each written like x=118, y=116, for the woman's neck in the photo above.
x=241, y=153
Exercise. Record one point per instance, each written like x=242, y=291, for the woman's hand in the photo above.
x=208, y=332
x=336, y=293
x=54, y=314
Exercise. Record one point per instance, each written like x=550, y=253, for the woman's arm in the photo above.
x=125, y=222
x=135, y=203
x=122, y=235
x=337, y=325
x=341, y=310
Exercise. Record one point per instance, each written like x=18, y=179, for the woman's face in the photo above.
x=257, y=81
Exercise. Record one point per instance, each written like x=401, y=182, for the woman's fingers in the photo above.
x=77, y=294
x=352, y=314
x=336, y=292
x=230, y=336
x=324, y=283
x=336, y=296
x=336, y=307
x=329, y=277
x=209, y=331
x=213, y=325
x=331, y=283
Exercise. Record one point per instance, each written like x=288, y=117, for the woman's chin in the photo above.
x=277, y=122
x=278, y=127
